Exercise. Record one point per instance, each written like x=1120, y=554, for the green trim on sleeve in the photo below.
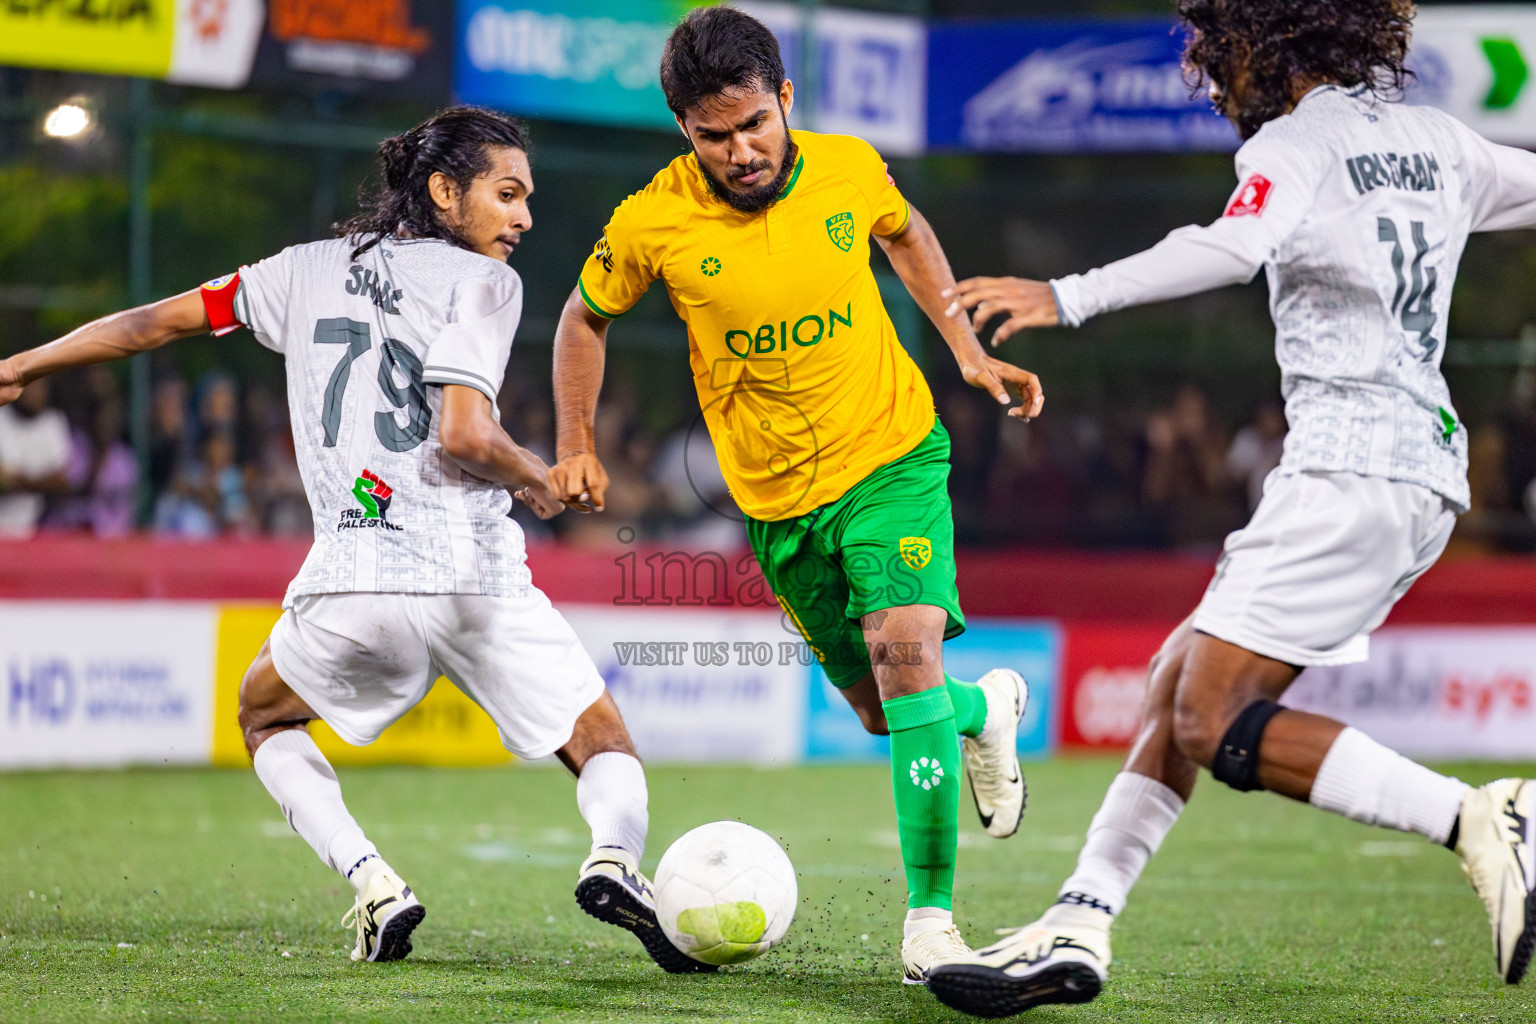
x=593, y=306
x=906, y=221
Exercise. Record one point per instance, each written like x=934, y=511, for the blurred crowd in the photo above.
x=221, y=462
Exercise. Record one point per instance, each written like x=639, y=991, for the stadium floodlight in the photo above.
x=67, y=121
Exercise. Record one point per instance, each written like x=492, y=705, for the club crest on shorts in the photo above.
x=840, y=230
x=916, y=551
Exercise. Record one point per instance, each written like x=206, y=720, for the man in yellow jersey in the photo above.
x=824, y=427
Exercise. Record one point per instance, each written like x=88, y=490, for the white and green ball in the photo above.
x=725, y=893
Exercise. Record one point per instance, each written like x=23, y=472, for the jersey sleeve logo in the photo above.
x=603, y=253
x=1251, y=198
x=219, y=302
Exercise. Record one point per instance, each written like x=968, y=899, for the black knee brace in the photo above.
x=1237, y=760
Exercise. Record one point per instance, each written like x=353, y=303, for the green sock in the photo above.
x=970, y=703
x=925, y=775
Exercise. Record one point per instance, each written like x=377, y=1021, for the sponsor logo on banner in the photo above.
x=1475, y=63
x=1065, y=87
x=1104, y=681
x=596, y=61
x=104, y=684
x=871, y=71
x=1436, y=692
x=700, y=685
x=215, y=42
x=832, y=729
x=397, y=46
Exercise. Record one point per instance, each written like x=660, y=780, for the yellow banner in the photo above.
x=111, y=37
x=447, y=728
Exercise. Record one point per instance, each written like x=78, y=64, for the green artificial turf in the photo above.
x=181, y=895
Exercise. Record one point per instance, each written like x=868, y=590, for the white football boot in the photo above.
x=1497, y=845
x=927, y=944
x=386, y=912
x=992, y=759
x=612, y=889
x=1061, y=958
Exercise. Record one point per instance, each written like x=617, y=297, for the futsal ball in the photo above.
x=725, y=893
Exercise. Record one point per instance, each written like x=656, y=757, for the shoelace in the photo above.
x=983, y=771
x=942, y=942
x=351, y=916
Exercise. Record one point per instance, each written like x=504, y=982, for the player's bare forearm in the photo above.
x=919, y=260
x=472, y=437
x=118, y=336
x=581, y=343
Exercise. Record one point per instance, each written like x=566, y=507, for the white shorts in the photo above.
x=1323, y=561
x=361, y=661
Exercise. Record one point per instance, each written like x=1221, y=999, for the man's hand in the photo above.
x=1026, y=303
x=579, y=481
x=541, y=499
x=996, y=377
x=10, y=382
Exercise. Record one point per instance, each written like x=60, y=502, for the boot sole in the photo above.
x=988, y=992
x=395, y=934
x=607, y=900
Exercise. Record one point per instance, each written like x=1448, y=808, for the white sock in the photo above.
x=924, y=918
x=304, y=786
x=1364, y=781
x=1136, y=816
x=612, y=797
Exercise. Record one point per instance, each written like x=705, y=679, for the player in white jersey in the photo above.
x=1358, y=209
x=396, y=337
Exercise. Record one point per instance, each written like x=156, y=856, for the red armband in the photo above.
x=219, y=300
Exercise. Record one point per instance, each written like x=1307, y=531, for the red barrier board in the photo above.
x=1104, y=677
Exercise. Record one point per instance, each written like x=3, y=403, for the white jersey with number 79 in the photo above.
x=1359, y=210
x=365, y=342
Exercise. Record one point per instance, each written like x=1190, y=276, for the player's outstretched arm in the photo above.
x=919, y=261
x=581, y=344
x=471, y=436
x=118, y=336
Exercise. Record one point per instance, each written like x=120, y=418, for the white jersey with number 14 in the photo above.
x=1359, y=210
x=368, y=344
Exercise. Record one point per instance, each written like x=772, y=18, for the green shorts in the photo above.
x=887, y=543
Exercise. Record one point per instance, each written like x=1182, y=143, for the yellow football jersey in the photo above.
x=805, y=388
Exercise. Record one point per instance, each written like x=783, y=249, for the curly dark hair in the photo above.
x=456, y=141
x=1275, y=42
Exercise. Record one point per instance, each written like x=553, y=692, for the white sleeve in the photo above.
x=261, y=303
x=1276, y=188
x=473, y=349
x=1503, y=183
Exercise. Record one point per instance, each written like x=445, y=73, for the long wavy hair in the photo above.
x=458, y=142
x=1275, y=42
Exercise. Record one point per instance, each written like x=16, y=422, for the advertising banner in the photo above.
x=446, y=728
x=701, y=685
x=398, y=47
x=1474, y=62
x=102, y=685
x=1104, y=680
x=596, y=61
x=599, y=62
x=1436, y=692
x=1033, y=649
x=1065, y=87
x=188, y=41
x=870, y=77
